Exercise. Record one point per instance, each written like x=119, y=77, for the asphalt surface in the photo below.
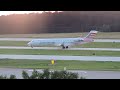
x=59, y=48
x=29, y=39
x=56, y=57
x=86, y=74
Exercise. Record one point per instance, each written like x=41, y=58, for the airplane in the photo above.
x=65, y=43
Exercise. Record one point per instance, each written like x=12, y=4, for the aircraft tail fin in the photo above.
x=91, y=34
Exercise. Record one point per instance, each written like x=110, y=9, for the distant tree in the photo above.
x=62, y=22
x=25, y=75
x=3, y=77
x=51, y=75
x=12, y=77
x=64, y=75
x=46, y=75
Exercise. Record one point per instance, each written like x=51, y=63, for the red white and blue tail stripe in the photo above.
x=91, y=34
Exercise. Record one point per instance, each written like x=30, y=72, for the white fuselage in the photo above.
x=64, y=42
x=56, y=42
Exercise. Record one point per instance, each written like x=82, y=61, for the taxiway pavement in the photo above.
x=58, y=48
x=56, y=57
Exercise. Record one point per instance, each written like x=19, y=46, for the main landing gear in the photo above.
x=64, y=47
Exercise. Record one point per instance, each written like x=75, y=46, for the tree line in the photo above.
x=46, y=75
x=60, y=22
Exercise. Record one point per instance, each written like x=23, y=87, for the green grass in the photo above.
x=88, y=45
x=13, y=43
x=108, y=35
x=59, y=52
x=60, y=64
x=100, y=45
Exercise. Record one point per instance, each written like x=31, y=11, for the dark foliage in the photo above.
x=59, y=22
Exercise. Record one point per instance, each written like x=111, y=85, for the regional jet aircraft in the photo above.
x=63, y=42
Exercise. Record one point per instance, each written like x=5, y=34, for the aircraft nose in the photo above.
x=29, y=44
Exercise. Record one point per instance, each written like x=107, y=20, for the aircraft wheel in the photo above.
x=66, y=47
x=63, y=47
